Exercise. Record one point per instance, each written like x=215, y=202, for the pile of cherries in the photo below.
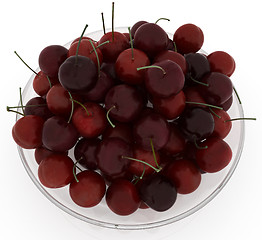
x=144, y=116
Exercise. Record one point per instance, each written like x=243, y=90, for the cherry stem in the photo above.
x=74, y=169
x=25, y=63
x=9, y=110
x=72, y=108
x=199, y=147
x=131, y=43
x=148, y=164
x=21, y=99
x=237, y=95
x=37, y=105
x=235, y=119
x=82, y=105
x=103, y=21
x=151, y=66
x=78, y=45
x=113, y=16
x=212, y=111
x=153, y=151
x=107, y=116
x=50, y=84
x=97, y=58
x=141, y=177
x=161, y=19
x=175, y=48
x=204, y=104
x=103, y=43
x=198, y=82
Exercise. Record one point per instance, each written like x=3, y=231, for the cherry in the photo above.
x=196, y=123
x=192, y=94
x=83, y=38
x=218, y=90
x=27, y=131
x=59, y=135
x=216, y=157
x=124, y=103
x=110, y=156
x=188, y=38
x=89, y=119
x=164, y=79
x=85, y=152
x=176, y=142
x=41, y=84
x=42, y=152
x=173, y=56
x=170, y=107
x=136, y=26
x=184, y=175
x=56, y=171
x=151, y=39
x=139, y=168
x=122, y=197
x=37, y=106
x=109, y=69
x=151, y=127
x=158, y=192
x=88, y=190
x=51, y=58
x=171, y=45
x=227, y=104
x=221, y=62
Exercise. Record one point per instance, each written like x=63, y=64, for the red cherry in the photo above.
x=184, y=175
x=27, y=131
x=89, y=190
x=188, y=38
x=122, y=197
x=136, y=26
x=91, y=124
x=84, y=37
x=221, y=62
x=56, y=171
x=193, y=95
x=216, y=157
x=41, y=84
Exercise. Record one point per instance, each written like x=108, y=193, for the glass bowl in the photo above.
x=185, y=205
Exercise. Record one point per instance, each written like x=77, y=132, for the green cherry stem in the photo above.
x=212, y=111
x=204, y=104
x=237, y=95
x=175, y=48
x=78, y=45
x=141, y=177
x=74, y=168
x=198, y=82
x=37, y=105
x=25, y=63
x=151, y=66
x=97, y=58
x=103, y=43
x=103, y=21
x=113, y=16
x=153, y=151
x=131, y=43
x=107, y=116
x=161, y=19
x=10, y=110
x=21, y=99
x=235, y=119
x=82, y=105
x=199, y=147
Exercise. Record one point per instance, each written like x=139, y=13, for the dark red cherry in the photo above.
x=136, y=26
x=216, y=157
x=151, y=39
x=188, y=38
x=84, y=37
x=51, y=58
x=110, y=156
x=41, y=84
x=89, y=190
x=166, y=81
x=122, y=197
x=78, y=74
x=125, y=103
x=184, y=175
x=59, y=135
x=56, y=171
x=227, y=104
x=151, y=127
x=193, y=94
x=85, y=152
x=158, y=192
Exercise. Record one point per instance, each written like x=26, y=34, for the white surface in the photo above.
x=232, y=26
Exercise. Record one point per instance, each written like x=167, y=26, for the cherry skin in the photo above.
x=158, y=192
x=51, y=58
x=115, y=46
x=91, y=124
x=184, y=175
x=171, y=45
x=59, y=135
x=56, y=171
x=85, y=152
x=151, y=39
x=125, y=103
x=86, y=49
x=216, y=157
x=170, y=107
x=193, y=94
x=188, y=38
x=83, y=38
x=227, y=104
x=222, y=62
x=164, y=84
x=136, y=26
x=151, y=127
x=41, y=84
x=110, y=156
x=78, y=74
x=37, y=106
x=122, y=197
x=126, y=66
x=173, y=56
x=27, y=131
x=89, y=190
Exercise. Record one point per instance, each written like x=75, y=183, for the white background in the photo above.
x=29, y=26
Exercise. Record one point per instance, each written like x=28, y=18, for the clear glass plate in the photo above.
x=185, y=205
